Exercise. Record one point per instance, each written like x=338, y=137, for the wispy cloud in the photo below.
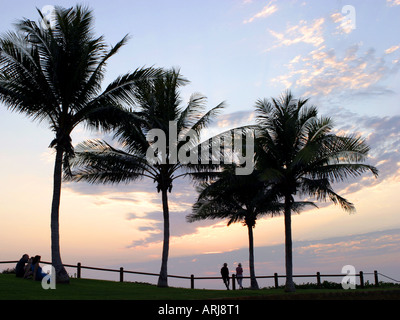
x=335, y=249
x=392, y=49
x=304, y=32
x=383, y=136
x=323, y=71
x=393, y=3
x=268, y=10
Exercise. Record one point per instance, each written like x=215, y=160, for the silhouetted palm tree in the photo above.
x=54, y=74
x=238, y=198
x=158, y=105
x=301, y=156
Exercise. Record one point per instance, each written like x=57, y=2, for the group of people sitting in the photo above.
x=29, y=268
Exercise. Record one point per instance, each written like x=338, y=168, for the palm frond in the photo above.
x=23, y=87
x=95, y=76
x=205, y=120
x=321, y=189
x=342, y=171
x=122, y=90
x=98, y=162
x=192, y=112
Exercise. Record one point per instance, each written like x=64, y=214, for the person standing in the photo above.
x=239, y=275
x=225, y=275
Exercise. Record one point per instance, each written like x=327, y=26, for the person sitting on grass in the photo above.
x=38, y=273
x=28, y=273
x=20, y=267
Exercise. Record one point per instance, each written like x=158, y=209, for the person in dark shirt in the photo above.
x=225, y=275
x=20, y=267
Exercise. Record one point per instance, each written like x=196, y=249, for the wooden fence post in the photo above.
x=318, y=279
x=361, y=279
x=276, y=280
x=233, y=282
x=376, y=278
x=121, y=274
x=78, y=270
x=192, y=281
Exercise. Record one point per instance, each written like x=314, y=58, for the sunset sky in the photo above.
x=236, y=51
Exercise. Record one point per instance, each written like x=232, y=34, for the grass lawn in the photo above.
x=12, y=288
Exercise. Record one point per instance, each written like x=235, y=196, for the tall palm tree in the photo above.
x=54, y=74
x=158, y=105
x=239, y=198
x=300, y=155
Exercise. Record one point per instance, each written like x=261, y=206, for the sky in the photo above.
x=342, y=55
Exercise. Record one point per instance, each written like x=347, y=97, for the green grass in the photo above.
x=12, y=288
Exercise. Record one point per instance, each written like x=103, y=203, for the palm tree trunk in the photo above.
x=163, y=278
x=61, y=273
x=289, y=286
x=253, y=280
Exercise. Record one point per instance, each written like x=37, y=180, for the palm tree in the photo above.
x=54, y=75
x=157, y=107
x=238, y=198
x=301, y=156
